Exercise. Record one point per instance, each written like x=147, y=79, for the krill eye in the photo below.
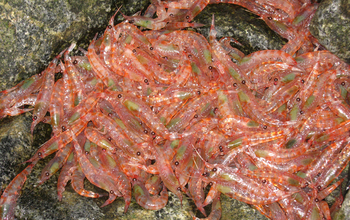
x=343, y=83
x=109, y=138
x=63, y=128
x=264, y=127
x=35, y=117
x=176, y=163
x=234, y=84
x=243, y=81
x=134, y=50
x=270, y=18
x=109, y=26
x=195, y=116
x=119, y=96
x=151, y=48
x=75, y=62
x=47, y=173
x=153, y=133
x=111, y=192
x=214, y=169
x=145, y=131
x=134, y=179
x=298, y=99
x=210, y=67
x=138, y=153
x=275, y=79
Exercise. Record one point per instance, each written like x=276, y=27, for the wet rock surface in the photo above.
x=32, y=34
x=331, y=26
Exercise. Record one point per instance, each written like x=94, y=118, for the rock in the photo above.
x=330, y=25
x=237, y=22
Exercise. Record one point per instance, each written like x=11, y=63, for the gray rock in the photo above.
x=239, y=23
x=331, y=26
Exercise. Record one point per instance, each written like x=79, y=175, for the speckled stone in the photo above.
x=331, y=26
x=32, y=33
x=244, y=26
